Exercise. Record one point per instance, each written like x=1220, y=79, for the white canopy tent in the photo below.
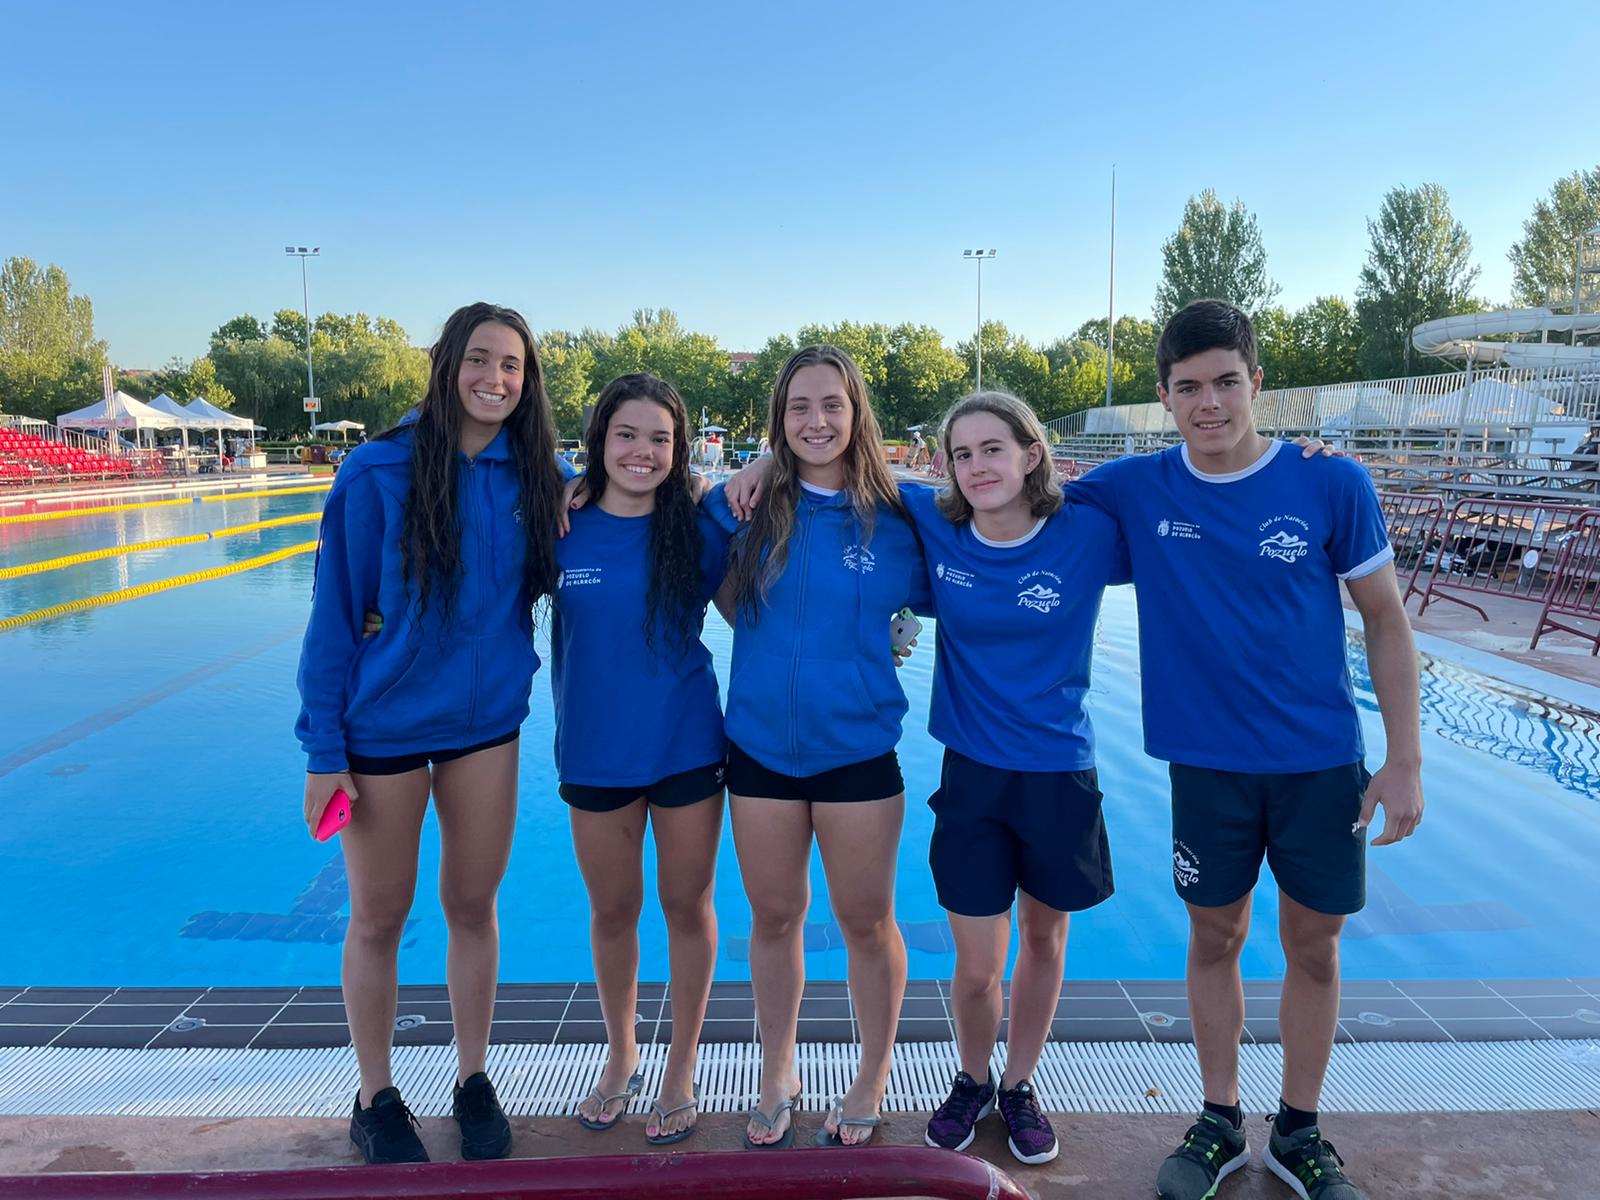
x=121, y=411
x=343, y=427
x=166, y=404
x=217, y=418
x=1500, y=410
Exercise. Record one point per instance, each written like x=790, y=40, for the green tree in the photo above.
x=568, y=379
x=1010, y=363
x=241, y=329
x=1135, y=349
x=50, y=359
x=291, y=327
x=1541, y=263
x=1418, y=268
x=922, y=378
x=183, y=380
x=1216, y=252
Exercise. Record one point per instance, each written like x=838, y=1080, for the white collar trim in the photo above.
x=1021, y=541
x=1273, y=446
x=820, y=491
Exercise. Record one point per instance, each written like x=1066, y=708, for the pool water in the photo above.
x=150, y=797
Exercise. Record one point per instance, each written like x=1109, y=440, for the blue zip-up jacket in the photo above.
x=814, y=685
x=420, y=684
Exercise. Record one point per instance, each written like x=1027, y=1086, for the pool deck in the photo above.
x=1426, y=1156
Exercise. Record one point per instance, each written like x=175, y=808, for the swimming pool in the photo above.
x=150, y=792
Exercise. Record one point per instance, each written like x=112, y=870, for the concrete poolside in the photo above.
x=1426, y=1156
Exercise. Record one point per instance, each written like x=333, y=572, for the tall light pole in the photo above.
x=978, y=256
x=302, y=254
x=1111, y=303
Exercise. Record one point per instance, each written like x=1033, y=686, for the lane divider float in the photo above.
x=150, y=589
x=73, y=560
x=23, y=518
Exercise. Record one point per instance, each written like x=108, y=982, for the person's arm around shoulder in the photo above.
x=745, y=489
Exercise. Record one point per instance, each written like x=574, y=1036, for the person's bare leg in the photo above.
x=476, y=799
x=1035, y=985
x=1308, y=1013
x=773, y=840
x=686, y=866
x=976, y=1003
x=860, y=844
x=610, y=849
x=380, y=857
x=1216, y=994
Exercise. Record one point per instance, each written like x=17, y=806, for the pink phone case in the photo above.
x=335, y=817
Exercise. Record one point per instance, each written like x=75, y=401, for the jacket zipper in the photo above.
x=806, y=514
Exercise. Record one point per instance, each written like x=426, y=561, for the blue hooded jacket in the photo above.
x=422, y=684
x=814, y=685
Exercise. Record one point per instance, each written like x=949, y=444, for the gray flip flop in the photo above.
x=836, y=1111
x=672, y=1139
x=761, y=1118
x=635, y=1084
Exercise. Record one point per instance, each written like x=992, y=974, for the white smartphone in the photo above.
x=902, y=628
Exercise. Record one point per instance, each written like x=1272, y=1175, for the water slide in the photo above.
x=1458, y=337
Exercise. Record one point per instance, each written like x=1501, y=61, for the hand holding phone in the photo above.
x=335, y=817
x=903, y=628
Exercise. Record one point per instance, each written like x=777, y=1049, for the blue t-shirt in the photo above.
x=1241, y=629
x=1015, y=634
x=628, y=714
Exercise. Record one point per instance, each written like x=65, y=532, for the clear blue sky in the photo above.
x=752, y=166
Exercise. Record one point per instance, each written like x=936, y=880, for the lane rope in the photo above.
x=188, y=539
x=150, y=589
x=23, y=518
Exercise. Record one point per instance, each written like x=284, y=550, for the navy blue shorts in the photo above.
x=399, y=764
x=996, y=831
x=1223, y=822
x=675, y=791
x=875, y=779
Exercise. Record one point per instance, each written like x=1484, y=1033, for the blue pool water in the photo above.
x=150, y=794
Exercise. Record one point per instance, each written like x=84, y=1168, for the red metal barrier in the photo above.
x=1575, y=591
x=1412, y=521
x=1501, y=548
x=739, y=1175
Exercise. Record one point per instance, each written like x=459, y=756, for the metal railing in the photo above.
x=1575, y=593
x=728, y=1175
x=1502, y=404
x=1412, y=522
x=1504, y=548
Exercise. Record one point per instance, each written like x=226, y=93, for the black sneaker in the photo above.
x=385, y=1131
x=1212, y=1150
x=954, y=1123
x=485, y=1132
x=1030, y=1138
x=1309, y=1165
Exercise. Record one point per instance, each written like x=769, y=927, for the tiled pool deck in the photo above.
x=1426, y=1010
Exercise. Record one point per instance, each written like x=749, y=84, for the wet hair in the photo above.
x=1040, y=487
x=431, y=544
x=675, y=602
x=760, y=553
x=1203, y=325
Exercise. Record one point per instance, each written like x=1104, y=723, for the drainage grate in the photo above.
x=547, y=1080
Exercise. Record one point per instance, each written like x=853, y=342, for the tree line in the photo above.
x=1418, y=267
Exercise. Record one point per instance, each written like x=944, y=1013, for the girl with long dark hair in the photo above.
x=639, y=728
x=447, y=524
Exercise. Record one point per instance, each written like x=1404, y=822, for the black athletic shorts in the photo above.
x=875, y=779
x=1224, y=821
x=399, y=764
x=995, y=831
x=675, y=791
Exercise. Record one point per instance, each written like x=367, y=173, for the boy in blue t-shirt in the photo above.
x=1238, y=548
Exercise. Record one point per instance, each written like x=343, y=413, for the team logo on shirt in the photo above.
x=1285, y=545
x=953, y=575
x=1178, y=529
x=1036, y=593
x=1185, y=865
x=859, y=558
x=578, y=577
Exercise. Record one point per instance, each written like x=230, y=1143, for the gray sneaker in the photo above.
x=1211, y=1151
x=1309, y=1165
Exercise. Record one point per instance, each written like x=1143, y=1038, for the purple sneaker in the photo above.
x=954, y=1123
x=1032, y=1141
